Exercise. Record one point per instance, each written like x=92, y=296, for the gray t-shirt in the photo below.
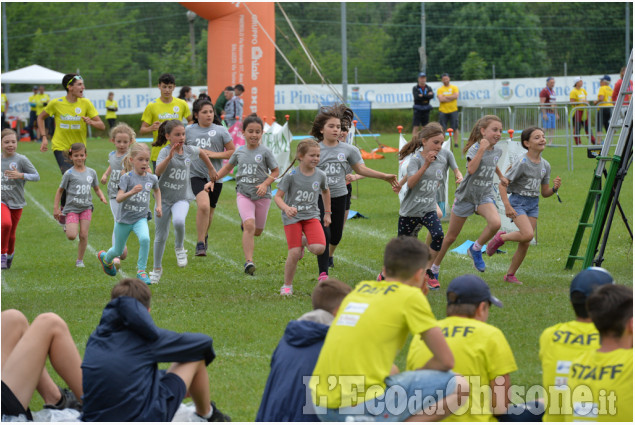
x=175, y=181
x=475, y=187
x=302, y=192
x=136, y=206
x=78, y=189
x=526, y=177
x=332, y=160
x=116, y=168
x=212, y=138
x=253, y=168
x=12, y=194
x=421, y=198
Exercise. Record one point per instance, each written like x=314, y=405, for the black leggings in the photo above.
x=410, y=226
x=333, y=233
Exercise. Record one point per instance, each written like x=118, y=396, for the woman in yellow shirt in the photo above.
x=578, y=98
x=111, y=110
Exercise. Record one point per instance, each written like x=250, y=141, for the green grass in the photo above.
x=246, y=316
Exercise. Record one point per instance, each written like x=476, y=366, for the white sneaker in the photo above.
x=181, y=257
x=79, y=263
x=155, y=276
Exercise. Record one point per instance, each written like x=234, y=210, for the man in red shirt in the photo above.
x=549, y=111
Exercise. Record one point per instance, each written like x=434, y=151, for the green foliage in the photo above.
x=474, y=67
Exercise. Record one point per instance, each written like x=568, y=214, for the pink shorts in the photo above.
x=312, y=229
x=255, y=210
x=74, y=217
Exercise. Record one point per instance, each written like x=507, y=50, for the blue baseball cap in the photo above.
x=422, y=74
x=470, y=289
x=605, y=78
x=588, y=279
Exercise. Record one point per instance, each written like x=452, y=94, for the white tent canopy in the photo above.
x=34, y=74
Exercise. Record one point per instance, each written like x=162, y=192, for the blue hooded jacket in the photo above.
x=286, y=395
x=120, y=372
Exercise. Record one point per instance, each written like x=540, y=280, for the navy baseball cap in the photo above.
x=588, y=279
x=470, y=289
x=422, y=74
x=605, y=78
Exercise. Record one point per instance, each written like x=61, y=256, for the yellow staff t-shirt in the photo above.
x=159, y=111
x=69, y=126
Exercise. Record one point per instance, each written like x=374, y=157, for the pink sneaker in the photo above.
x=512, y=279
x=323, y=276
x=286, y=290
x=494, y=244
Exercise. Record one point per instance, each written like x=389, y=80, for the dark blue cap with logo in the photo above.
x=422, y=74
x=605, y=78
x=470, y=289
x=588, y=279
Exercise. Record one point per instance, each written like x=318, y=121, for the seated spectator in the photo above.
x=601, y=380
x=24, y=352
x=352, y=380
x=122, y=382
x=295, y=356
x=562, y=342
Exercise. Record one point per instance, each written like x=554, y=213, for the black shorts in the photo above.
x=63, y=161
x=349, y=187
x=198, y=184
x=172, y=391
x=453, y=117
x=11, y=406
x=420, y=118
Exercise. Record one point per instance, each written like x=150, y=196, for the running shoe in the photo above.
x=79, y=263
x=155, y=276
x=250, y=268
x=3, y=262
x=495, y=243
x=433, y=280
x=477, y=258
x=201, y=250
x=323, y=276
x=181, y=257
x=9, y=260
x=512, y=279
x=217, y=415
x=67, y=401
x=109, y=269
x=286, y=290
x=143, y=276
x=380, y=277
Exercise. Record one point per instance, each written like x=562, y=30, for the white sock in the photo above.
x=435, y=269
x=209, y=415
x=477, y=246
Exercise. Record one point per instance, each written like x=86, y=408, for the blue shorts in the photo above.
x=407, y=394
x=466, y=209
x=172, y=391
x=524, y=205
x=550, y=122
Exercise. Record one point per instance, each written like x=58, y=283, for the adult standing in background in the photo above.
x=548, y=109
x=448, y=108
x=422, y=95
x=111, y=110
x=234, y=107
x=5, y=108
x=618, y=85
x=578, y=98
x=604, y=101
x=33, y=112
x=222, y=99
x=43, y=100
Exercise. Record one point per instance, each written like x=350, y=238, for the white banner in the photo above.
x=278, y=139
x=289, y=97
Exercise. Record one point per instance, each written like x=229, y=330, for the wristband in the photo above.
x=554, y=189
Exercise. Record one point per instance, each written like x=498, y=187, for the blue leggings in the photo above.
x=122, y=232
x=410, y=226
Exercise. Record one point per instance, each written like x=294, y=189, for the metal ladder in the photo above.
x=606, y=198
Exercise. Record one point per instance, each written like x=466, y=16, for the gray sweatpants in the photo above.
x=178, y=212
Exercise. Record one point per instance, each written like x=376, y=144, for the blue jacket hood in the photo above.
x=127, y=312
x=302, y=333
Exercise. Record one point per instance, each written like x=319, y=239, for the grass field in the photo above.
x=246, y=316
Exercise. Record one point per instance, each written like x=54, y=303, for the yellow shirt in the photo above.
x=601, y=386
x=33, y=101
x=607, y=92
x=159, y=111
x=4, y=102
x=42, y=100
x=577, y=96
x=371, y=326
x=481, y=353
x=69, y=126
x=559, y=345
x=448, y=107
x=111, y=104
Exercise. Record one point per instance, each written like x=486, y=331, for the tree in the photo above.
x=474, y=67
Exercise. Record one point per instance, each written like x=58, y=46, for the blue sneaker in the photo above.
x=477, y=257
x=109, y=269
x=143, y=276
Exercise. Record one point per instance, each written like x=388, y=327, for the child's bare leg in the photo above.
x=316, y=249
x=456, y=224
x=527, y=226
x=72, y=229
x=84, y=225
x=249, y=230
x=291, y=264
x=202, y=215
x=490, y=214
x=445, y=406
x=47, y=335
x=194, y=374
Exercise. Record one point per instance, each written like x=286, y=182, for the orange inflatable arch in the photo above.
x=239, y=52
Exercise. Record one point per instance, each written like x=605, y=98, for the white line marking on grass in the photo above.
x=92, y=250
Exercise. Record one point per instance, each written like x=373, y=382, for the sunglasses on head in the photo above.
x=76, y=77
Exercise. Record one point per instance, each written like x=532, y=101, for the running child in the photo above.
x=78, y=210
x=257, y=168
x=297, y=197
x=134, y=197
x=475, y=193
x=528, y=178
x=333, y=156
x=214, y=140
x=425, y=173
x=16, y=171
x=122, y=136
x=173, y=169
